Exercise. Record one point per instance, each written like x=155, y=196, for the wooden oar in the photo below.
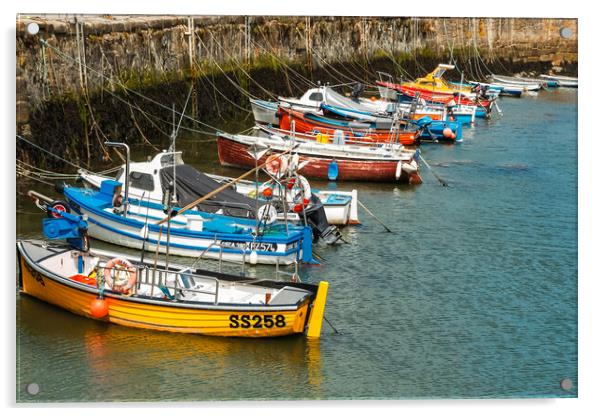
x=221, y=188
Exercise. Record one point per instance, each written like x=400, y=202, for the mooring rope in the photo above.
x=117, y=81
x=237, y=63
x=48, y=152
x=302, y=78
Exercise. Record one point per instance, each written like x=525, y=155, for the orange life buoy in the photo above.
x=120, y=275
x=276, y=165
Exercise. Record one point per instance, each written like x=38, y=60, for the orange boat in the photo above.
x=353, y=131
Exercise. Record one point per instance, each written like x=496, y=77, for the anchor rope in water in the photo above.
x=331, y=325
x=441, y=181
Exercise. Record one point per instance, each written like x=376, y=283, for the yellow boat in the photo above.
x=120, y=289
x=434, y=83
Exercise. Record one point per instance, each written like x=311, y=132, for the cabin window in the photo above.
x=316, y=96
x=171, y=159
x=142, y=181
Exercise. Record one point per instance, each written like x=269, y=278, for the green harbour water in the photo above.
x=473, y=294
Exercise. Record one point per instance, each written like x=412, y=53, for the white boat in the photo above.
x=326, y=99
x=563, y=81
x=134, y=223
x=265, y=111
x=513, y=82
x=340, y=206
x=503, y=88
x=145, y=184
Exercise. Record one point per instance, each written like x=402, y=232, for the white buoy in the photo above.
x=33, y=28
x=253, y=257
x=410, y=168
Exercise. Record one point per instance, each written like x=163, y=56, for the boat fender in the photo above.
x=398, y=170
x=120, y=275
x=410, y=167
x=333, y=170
x=447, y=133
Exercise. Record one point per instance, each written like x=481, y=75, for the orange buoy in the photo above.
x=267, y=193
x=99, y=308
x=373, y=98
x=447, y=133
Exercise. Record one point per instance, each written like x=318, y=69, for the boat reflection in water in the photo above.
x=114, y=363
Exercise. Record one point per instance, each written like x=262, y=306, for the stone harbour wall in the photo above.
x=62, y=85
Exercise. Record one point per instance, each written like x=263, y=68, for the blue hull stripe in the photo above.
x=184, y=246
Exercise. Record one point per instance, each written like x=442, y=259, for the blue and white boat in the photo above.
x=501, y=88
x=133, y=222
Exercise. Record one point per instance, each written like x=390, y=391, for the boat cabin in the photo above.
x=145, y=181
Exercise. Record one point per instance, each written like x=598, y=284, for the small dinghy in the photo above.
x=131, y=291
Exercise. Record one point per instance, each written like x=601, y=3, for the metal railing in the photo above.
x=159, y=282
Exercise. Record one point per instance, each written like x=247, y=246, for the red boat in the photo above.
x=354, y=163
x=354, y=131
x=437, y=97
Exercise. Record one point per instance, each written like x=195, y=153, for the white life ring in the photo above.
x=301, y=191
x=267, y=214
x=120, y=275
x=276, y=165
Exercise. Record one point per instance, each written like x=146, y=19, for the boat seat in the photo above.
x=191, y=288
x=288, y=295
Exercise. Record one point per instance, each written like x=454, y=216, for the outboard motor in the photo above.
x=316, y=218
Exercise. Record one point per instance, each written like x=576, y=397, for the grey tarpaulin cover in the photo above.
x=192, y=184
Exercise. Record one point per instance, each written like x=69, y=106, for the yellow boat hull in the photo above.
x=127, y=312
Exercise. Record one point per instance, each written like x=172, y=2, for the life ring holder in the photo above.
x=119, y=266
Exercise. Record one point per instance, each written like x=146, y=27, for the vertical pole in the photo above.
x=308, y=43
x=190, y=34
x=84, y=70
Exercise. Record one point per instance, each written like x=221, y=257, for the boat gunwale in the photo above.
x=180, y=304
x=292, y=237
x=403, y=156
